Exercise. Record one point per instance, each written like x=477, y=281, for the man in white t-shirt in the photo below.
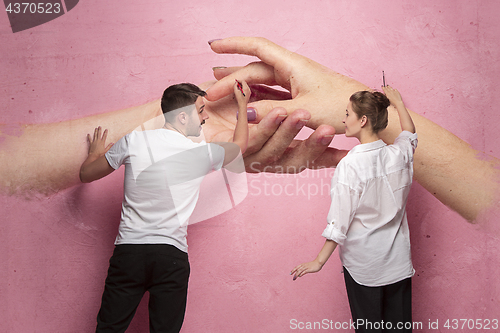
x=163, y=173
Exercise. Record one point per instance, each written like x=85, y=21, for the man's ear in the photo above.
x=182, y=117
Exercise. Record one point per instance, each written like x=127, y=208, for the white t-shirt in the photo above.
x=367, y=216
x=163, y=173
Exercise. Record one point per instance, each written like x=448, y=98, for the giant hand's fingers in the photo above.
x=279, y=142
x=262, y=48
x=253, y=73
x=260, y=133
x=280, y=61
x=313, y=153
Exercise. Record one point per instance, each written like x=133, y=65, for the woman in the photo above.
x=367, y=216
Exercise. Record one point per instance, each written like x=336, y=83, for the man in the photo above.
x=163, y=173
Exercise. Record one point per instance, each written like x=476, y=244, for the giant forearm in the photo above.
x=46, y=158
x=461, y=177
x=450, y=169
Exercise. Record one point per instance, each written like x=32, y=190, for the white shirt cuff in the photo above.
x=334, y=234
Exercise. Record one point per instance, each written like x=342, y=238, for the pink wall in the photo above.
x=109, y=55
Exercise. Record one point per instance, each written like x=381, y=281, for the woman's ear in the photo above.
x=364, y=120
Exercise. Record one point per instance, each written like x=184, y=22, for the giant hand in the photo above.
x=306, y=80
x=445, y=165
x=272, y=147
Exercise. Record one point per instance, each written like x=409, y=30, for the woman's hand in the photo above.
x=393, y=95
x=305, y=268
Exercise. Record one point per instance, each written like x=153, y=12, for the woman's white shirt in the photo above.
x=367, y=216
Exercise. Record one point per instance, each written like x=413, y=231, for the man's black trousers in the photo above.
x=162, y=270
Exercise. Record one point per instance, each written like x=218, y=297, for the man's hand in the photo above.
x=97, y=143
x=96, y=166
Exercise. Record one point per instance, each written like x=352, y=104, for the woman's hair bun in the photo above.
x=382, y=100
x=373, y=105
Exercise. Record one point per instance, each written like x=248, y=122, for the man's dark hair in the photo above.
x=180, y=95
